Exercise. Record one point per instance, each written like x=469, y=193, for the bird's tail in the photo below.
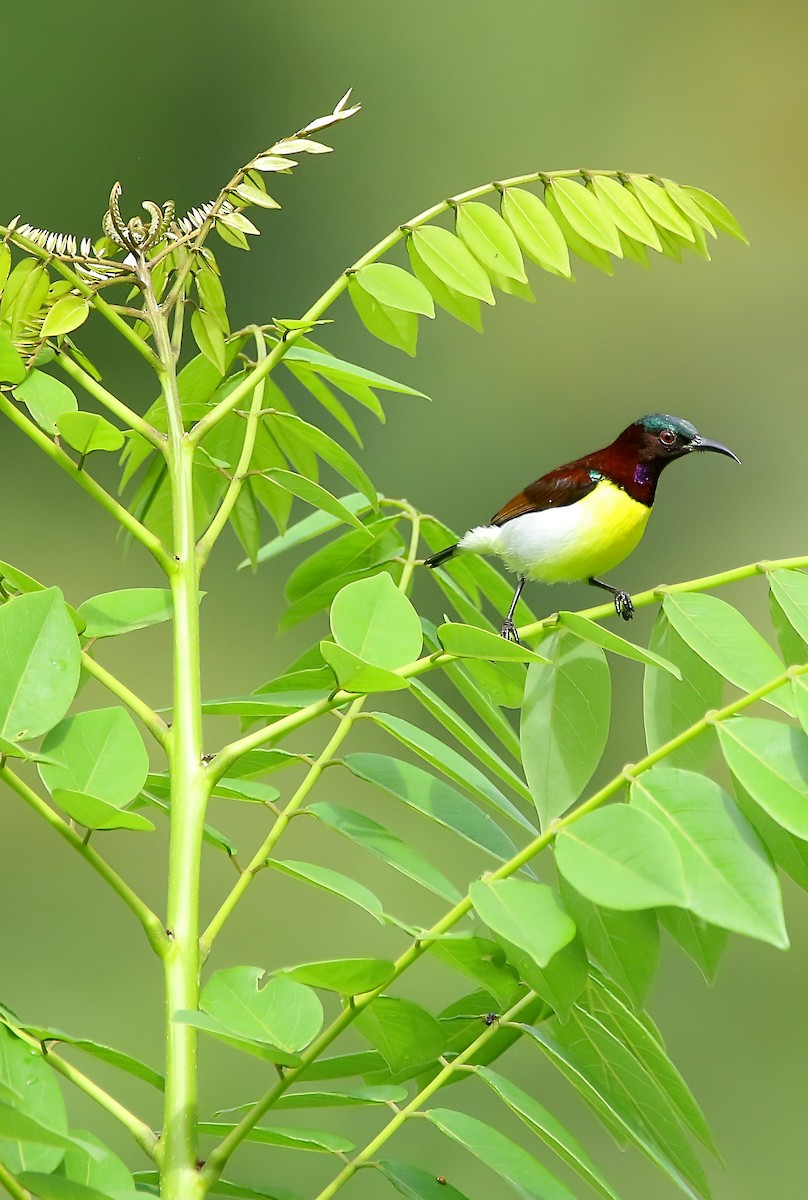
x=435, y=560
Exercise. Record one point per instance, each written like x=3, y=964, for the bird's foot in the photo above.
x=623, y=605
x=508, y=631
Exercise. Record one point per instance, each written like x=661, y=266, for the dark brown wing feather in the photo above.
x=556, y=489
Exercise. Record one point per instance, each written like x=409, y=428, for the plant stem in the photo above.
x=107, y=502
x=147, y=716
x=110, y=401
x=149, y=920
x=14, y=1189
x=220, y=1155
x=284, y=725
x=412, y=1109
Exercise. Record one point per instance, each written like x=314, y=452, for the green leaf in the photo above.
x=346, y=375
x=579, y=245
x=39, y=664
x=565, y=722
x=770, y=761
x=97, y=814
x=385, y=845
x=281, y=1013
x=541, y=1121
x=342, y=1066
x=100, y=753
x=46, y=399
x=24, y=1072
x=590, y=631
x=392, y=325
x=718, y=213
x=247, y=1045
x=626, y=944
x=66, y=315
x=490, y=240
x=300, y=432
x=457, y=767
x=114, y=613
x=455, y=265
x=107, y=1054
x=478, y=959
x=347, y=976
x=375, y=621
x=659, y=206
x=670, y=706
x=222, y=1187
x=309, y=527
x=417, y=1184
x=725, y=639
x=561, y=982
x=625, y=211
x=86, y=432
x=702, y=942
x=530, y=915
x=12, y=367
x=352, y=551
x=353, y=674
x=587, y=216
x=290, y=1137
x=405, y=1034
x=462, y=308
x=621, y=858
x=510, y=1161
x=467, y=737
x=790, y=590
x=469, y=641
x=358, y=1097
x=395, y=288
x=331, y=881
x=95, y=1166
x=729, y=880
x=694, y=213
x=535, y=230
x=434, y=798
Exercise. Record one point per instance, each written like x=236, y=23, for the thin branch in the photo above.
x=219, y=1157
x=99, y=494
x=230, y=498
x=110, y=401
x=145, y=1137
x=147, y=716
x=9, y=1182
x=276, y=729
x=149, y=920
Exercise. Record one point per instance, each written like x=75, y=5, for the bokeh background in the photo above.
x=169, y=97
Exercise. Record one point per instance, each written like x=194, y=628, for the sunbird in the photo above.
x=582, y=519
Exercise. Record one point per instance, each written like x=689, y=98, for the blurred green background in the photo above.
x=170, y=98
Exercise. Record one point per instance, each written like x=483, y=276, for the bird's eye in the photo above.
x=667, y=437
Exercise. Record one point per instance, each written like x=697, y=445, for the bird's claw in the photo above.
x=624, y=606
x=508, y=631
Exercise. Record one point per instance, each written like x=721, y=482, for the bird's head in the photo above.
x=658, y=438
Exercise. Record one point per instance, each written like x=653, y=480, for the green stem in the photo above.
x=14, y=1189
x=413, y=1108
x=284, y=725
x=315, y=771
x=149, y=920
x=220, y=1155
x=230, y=498
x=110, y=401
x=147, y=716
x=107, y=502
x=189, y=796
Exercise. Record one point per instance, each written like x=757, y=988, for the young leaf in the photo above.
x=565, y=722
x=395, y=288
x=718, y=213
x=353, y=674
x=659, y=206
x=621, y=858
x=508, y=1160
x=347, y=976
x=39, y=671
x=625, y=211
x=587, y=216
x=100, y=753
x=392, y=325
x=689, y=207
x=535, y=230
x=530, y=915
x=405, y=1034
x=462, y=308
x=374, y=620
x=385, y=845
x=12, y=367
x=729, y=880
x=281, y=1013
x=580, y=246
x=725, y=639
x=770, y=761
x=315, y=495
x=469, y=641
x=590, y=631
x=86, y=431
x=65, y=316
x=490, y=240
x=97, y=814
x=452, y=262
x=670, y=706
x=46, y=399
x=114, y=613
x=434, y=798
x=301, y=433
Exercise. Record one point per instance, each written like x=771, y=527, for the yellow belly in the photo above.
x=587, y=538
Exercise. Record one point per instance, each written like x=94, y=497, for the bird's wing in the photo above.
x=557, y=489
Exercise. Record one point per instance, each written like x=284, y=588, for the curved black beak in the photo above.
x=701, y=443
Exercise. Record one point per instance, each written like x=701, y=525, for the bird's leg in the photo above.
x=508, y=630
x=622, y=600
